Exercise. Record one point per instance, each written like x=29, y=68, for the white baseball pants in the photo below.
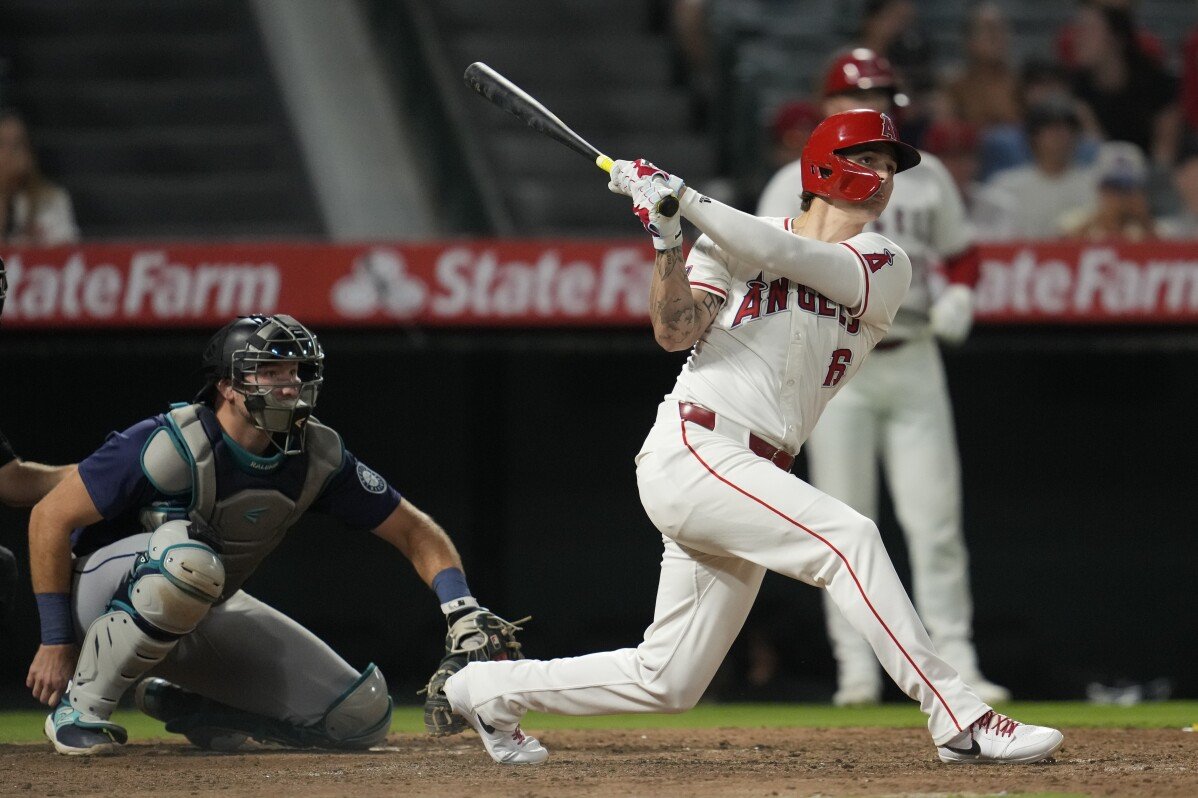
x=727, y=515
x=896, y=409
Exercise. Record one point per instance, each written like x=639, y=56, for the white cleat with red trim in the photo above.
x=995, y=738
x=506, y=746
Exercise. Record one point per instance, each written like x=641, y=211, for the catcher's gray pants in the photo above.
x=244, y=653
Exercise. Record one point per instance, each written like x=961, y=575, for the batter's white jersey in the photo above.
x=778, y=351
x=925, y=216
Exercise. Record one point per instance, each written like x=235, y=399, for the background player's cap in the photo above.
x=861, y=69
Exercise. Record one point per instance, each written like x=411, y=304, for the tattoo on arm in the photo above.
x=678, y=320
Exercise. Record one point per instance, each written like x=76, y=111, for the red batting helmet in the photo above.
x=859, y=69
x=827, y=173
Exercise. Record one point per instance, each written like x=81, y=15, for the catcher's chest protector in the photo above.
x=248, y=523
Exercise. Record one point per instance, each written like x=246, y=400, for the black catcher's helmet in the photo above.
x=248, y=343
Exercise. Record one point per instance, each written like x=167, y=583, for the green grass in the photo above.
x=25, y=726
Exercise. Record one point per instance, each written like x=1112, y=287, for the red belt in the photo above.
x=883, y=345
x=758, y=446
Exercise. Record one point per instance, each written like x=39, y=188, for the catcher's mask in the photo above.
x=3, y=286
x=827, y=173
x=241, y=352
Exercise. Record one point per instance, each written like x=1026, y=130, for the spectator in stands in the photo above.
x=1120, y=210
x=890, y=29
x=1132, y=95
x=955, y=142
x=1184, y=223
x=1027, y=202
x=985, y=91
x=33, y=211
x=1066, y=37
x=693, y=52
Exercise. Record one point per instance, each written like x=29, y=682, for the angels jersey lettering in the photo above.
x=773, y=336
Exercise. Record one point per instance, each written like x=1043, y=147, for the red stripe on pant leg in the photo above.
x=843, y=559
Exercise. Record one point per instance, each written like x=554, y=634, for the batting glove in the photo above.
x=625, y=174
x=952, y=315
x=647, y=195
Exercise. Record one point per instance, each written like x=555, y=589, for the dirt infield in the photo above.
x=673, y=762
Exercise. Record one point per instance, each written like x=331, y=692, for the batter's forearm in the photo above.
x=831, y=269
x=671, y=304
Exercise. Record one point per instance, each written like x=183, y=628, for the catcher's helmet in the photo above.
x=827, y=173
x=859, y=69
x=248, y=343
x=3, y=286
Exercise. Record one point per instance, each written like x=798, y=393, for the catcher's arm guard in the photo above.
x=479, y=636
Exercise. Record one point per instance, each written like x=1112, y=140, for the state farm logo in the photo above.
x=466, y=282
x=146, y=284
x=1097, y=283
x=378, y=281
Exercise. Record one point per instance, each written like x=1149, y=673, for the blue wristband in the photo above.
x=54, y=610
x=450, y=584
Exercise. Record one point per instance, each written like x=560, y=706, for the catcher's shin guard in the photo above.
x=170, y=589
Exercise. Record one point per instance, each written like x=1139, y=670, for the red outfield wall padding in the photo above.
x=521, y=283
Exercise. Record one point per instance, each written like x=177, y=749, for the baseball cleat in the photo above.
x=185, y=712
x=856, y=697
x=439, y=718
x=988, y=691
x=506, y=746
x=75, y=734
x=995, y=738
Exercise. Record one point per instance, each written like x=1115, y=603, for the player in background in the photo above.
x=139, y=556
x=898, y=410
x=22, y=483
x=780, y=314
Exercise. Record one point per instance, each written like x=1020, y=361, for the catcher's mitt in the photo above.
x=479, y=636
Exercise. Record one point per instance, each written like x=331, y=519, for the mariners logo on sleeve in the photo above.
x=371, y=481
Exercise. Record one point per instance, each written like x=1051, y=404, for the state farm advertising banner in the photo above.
x=520, y=283
x=1153, y=283
x=510, y=283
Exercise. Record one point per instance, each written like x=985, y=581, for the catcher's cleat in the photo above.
x=75, y=734
x=184, y=712
x=997, y=739
x=439, y=718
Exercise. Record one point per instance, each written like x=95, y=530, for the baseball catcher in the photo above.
x=138, y=560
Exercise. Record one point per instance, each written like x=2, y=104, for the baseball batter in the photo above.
x=138, y=561
x=897, y=410
x=780, y=313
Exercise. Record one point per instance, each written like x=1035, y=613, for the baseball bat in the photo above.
x=519, y=103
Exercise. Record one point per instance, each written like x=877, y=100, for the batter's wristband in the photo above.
x=54, y=612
